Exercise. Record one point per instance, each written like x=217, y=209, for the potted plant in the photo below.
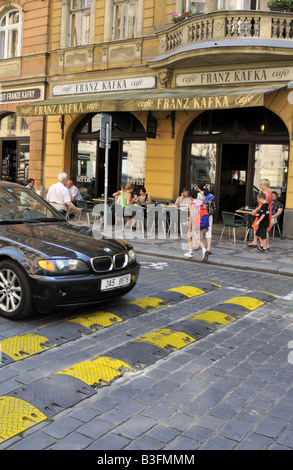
x=289, y=5
x=176, y=18
x=277, y=5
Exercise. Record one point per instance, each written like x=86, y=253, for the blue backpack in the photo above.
x=210, y=204
x=201, y=217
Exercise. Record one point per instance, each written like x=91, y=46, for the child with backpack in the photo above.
x=211, y=208
x=198, y=224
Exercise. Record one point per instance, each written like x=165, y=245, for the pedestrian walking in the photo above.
x=195, y=232
x=211, y=208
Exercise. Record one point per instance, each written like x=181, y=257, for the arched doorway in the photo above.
x=14, y=148
x=126, y=156
x=232, y=151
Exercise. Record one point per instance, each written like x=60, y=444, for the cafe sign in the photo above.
x=193, y=102
x=102, y=86
x=234, y=77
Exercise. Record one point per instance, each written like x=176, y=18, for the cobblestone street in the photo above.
x=229, y=389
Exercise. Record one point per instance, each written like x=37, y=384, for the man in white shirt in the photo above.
x=58, y=195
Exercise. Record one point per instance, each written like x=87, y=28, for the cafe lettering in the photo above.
x=190, y=103
x=234, y=77
x=202, y=102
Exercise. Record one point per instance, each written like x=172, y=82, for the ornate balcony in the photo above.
x=223, y=28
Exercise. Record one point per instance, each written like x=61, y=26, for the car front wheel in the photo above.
x=15, y=292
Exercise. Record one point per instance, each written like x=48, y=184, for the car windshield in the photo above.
x=18, y=205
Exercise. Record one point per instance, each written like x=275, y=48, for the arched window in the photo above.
x=10, y=34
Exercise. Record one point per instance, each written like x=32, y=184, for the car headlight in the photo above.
x=131, y=255
x=65, y=266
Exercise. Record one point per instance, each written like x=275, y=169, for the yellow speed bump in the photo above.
x=244, y=301
x=188, y=291
x=149, y=303
x=191, y=291
x=98, y=370
x=19, y=347
x=17, y=416
x=211, y=316
x=167, y=339
x=97, y=320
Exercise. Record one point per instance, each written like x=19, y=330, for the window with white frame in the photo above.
x=193, y=6
x=125, y=19
x=80, y=22
x=238, y=4
x=10, y=34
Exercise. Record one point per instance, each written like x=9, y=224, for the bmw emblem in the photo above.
x=108, y=250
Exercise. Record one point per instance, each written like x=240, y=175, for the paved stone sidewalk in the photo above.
x=279, y=258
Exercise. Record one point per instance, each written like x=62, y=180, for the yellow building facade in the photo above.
x=197, y=91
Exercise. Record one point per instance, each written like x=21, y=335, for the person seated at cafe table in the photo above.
x=183, y=199
x=277, y=208
x=143, y=196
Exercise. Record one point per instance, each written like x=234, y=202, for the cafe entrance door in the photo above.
x=234, y=181
x=231, y=151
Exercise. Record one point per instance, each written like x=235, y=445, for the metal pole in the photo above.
x=106, y=177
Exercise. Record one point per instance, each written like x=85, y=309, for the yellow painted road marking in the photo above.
x=16, y=416
x=167, y=339
x=245, y=301
x=97, y=320
x=212, y=316
x=97, y=370
x=26, y=345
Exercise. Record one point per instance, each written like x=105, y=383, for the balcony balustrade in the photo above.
x=223, y=25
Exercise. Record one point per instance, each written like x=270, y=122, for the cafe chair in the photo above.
x=231, y=220
x=156, y=222
x=86, y=209
x=279, y=230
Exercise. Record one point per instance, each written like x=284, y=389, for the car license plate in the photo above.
x=114, y=282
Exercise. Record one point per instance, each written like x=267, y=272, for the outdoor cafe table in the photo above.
x=247, y=213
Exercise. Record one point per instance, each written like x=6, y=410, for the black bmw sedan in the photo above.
x=46, y=263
